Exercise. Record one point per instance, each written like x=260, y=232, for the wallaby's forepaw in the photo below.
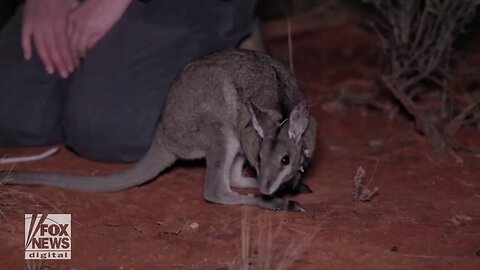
x=278, y=204
x=304, y=189
x=292, y=188
x=294, y=206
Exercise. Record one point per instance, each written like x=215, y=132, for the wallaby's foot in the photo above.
x=244, y=182
x=262, y=201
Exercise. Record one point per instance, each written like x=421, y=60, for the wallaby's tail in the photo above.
x=157, y=159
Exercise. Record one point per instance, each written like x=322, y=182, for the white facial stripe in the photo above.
x=280, y=178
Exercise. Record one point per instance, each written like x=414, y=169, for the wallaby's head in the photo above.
x=283, y=145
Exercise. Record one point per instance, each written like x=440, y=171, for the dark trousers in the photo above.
x=108, y=109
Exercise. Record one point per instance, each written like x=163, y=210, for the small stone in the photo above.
x=194, y=225
x=394, y=249
x=375, y=143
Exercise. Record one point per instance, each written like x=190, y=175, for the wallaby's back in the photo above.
x=216, y=90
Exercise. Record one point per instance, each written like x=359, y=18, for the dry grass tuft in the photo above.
x=260, y=243
x=34, y=265
x=12, y=200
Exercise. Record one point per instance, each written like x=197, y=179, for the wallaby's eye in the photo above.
x=285, y=160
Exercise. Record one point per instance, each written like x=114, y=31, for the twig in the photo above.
x=290, y=46
x=457, y=122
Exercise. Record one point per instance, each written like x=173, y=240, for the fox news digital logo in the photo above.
x=48, y=237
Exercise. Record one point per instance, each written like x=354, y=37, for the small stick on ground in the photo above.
x=361, y=192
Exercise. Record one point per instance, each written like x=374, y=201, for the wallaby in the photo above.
x=226, y=107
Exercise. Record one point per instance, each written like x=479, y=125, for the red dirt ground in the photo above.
x=426, y=215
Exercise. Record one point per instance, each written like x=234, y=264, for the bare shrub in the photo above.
x=417, y=38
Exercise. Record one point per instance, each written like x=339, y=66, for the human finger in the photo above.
x=73, y=43
x=82, y=44
x=27, y=41
x=53, y=52
x=71, y=35
x=40, y=47
x=61, y=42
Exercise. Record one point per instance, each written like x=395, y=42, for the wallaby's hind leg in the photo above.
x=237, y=179
x=220, y=159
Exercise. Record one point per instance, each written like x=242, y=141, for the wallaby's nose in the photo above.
x=266, y=188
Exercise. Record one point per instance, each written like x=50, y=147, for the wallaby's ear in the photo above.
x=310, y=137
x=263, y=121
x=298, y=121
x=250, y=141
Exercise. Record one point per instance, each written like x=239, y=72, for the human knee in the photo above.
x=96, y=141
x=16, y=130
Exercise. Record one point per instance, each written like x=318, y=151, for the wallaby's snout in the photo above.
x=268, y=186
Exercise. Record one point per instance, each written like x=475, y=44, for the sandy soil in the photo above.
x=426, y=215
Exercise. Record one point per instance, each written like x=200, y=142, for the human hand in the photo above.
x=45, y=23
x=91, y=20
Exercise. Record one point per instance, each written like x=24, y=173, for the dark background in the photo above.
x=7, y=7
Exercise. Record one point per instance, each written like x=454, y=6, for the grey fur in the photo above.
x=211, y=113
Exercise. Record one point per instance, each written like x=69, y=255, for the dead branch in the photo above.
x=458, y=120
x=417, y=38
